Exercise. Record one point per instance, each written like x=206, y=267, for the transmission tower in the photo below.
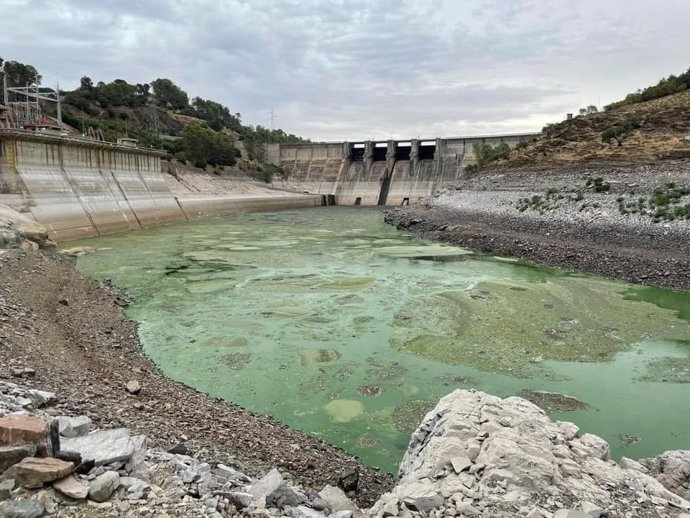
x=155, y=123
x=273, y=117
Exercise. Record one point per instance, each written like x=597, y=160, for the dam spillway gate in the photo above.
x=391, y=172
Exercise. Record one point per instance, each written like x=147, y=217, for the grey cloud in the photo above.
x=344, y=69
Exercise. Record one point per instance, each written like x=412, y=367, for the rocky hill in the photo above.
x=644, y=132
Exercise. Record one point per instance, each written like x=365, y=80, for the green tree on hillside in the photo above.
x=18, y=74
x=203, y=146
x=170, y=95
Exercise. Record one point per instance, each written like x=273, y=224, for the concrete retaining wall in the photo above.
x=80, y=188
x=333, y=168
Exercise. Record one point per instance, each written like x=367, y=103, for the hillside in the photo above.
x=652, y=130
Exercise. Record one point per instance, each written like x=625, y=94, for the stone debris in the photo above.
x=474, y=455
x=33, y=472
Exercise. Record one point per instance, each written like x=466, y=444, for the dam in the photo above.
x=392, y=172
x=80, y=187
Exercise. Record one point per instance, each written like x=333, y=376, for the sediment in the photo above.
x=589, y=235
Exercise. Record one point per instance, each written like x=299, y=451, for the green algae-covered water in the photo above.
x=342, y=326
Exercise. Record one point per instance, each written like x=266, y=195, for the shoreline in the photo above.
x=482, y=214
x=72, y=332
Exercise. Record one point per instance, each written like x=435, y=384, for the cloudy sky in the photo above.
x=355, y=69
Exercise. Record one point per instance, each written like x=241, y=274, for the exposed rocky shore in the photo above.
x=71, y=335
x=601, y=219
x=473, y=455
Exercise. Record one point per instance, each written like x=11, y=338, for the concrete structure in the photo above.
x=380, y=173
x=81, y=188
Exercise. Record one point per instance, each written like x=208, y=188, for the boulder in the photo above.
x=133, y=387
x=25, y=226
x=422, y=497
x=22, y=509
x=103, y=486
x=337, y=500
x=672, y=469
x=284, y=496
x=102, y=446
x=302, y=511
x=21, y=428
x=6, y=487
x=33, y=472
x=239, y=500
x=74, y=426
x=264, y=487
x=11, y=455
x=71, y=487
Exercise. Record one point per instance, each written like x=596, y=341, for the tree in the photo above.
x=169, y=94
x=86, y=84
x=19, y=74
x=203, y=146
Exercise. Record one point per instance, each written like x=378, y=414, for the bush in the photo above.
x=618, y=133
x=203, y=146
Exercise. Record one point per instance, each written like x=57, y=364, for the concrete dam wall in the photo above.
x=379, y=173
x=81, y=188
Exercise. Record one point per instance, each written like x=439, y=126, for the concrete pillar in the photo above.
x=390, y=157
x=414, y=153
x=346, y=151
x=368, y=158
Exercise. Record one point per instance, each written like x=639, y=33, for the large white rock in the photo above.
x=102, y=446
x=505, y=457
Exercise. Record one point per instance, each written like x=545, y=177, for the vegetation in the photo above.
x=201, y=146
x=18, y=74
x=598, y=184
x=667, y=86
x=120, y=109
x=551, y=200
x=487, y=154
x=269, y=171
x=618, y=133
x=665, y=204
x=589, y=110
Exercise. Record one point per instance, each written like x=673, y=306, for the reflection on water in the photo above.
x=350, y=330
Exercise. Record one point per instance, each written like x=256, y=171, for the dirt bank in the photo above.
x=72, y=332
x=562, y=219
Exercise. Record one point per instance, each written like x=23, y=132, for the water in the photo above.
x=342, y=326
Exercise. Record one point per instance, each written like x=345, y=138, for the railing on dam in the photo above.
x=389, y=172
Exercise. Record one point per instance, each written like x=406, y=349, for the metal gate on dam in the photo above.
x=393, y=172
x=81, y=188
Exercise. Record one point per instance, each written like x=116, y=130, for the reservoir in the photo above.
x=341, y=326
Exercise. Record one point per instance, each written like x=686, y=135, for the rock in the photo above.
x=264, y=487
x=672, y=469
x=592, y=510
x=422, y=497
x=74, y=426
x=136, y=465
x=302, y=511
x=21, y=428
x=24, y=372
x=349, y=481
x=391, y=508
x=11, y=455
x=284, y=496
x=227, y=474
x=179, y=449
x=33, y=472
x=337, y=500
x=627, y=463
x=239, y=500
x=71, y=487
x=6, y=487
x=40, y=398
x=103, y=486
x=22, y=509
x=102, y=446
x=565, y=513
x=133, y=387
x=460, y=464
